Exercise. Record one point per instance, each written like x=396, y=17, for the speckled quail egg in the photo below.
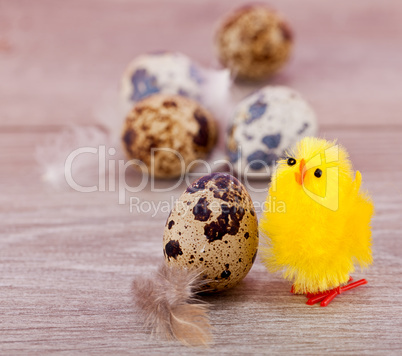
x=162, y=72
x=213, y=227
x=254, y=42
x=265, y=126
x=167, y=133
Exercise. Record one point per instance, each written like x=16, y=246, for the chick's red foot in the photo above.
x=326, y=297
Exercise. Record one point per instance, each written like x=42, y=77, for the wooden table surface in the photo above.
x=67, y=259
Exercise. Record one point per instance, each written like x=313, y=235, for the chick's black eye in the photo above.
x=291, y=161
x=318, y=173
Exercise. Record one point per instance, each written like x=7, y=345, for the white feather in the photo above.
x=51, y=155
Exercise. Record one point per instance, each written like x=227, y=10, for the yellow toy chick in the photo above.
x=323, y=228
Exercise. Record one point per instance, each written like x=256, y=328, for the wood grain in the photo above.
x=67, y=259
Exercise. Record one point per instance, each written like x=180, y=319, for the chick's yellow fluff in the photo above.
x=323, y=226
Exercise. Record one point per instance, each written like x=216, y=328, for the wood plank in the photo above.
x=67, y=260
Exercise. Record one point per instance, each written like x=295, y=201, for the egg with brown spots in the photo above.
x=164, y=135
x=254, y=42
x=213, y=227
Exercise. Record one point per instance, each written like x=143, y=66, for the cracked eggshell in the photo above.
x=213, y=227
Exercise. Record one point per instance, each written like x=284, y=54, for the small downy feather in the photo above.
x=51, y=155
x=168, y=305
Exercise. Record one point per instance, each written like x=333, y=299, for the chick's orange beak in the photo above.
x=300, y=175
